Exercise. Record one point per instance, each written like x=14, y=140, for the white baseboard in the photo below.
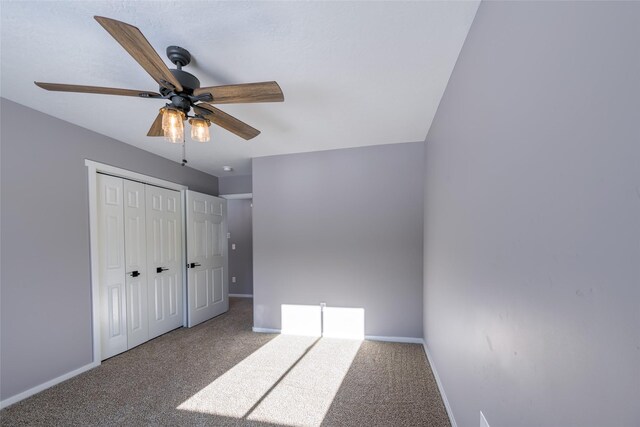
x=366, y=337
x=241, y=295
x=266, y=330
x=440, y=387
x=237, y=196
x=37, y=389
x=409, y=340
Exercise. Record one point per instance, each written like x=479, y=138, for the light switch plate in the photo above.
x=233, y=246
x=233, y=279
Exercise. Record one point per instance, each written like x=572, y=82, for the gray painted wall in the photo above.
x=342, y=227
x=241, y=259
x=235, y=184
x=532, y=218
x=46, y=287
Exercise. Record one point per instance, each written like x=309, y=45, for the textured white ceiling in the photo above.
x=353, y=73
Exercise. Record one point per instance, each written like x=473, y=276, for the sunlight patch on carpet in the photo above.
x=305, y=394
x=293, y=379
x=234, y=393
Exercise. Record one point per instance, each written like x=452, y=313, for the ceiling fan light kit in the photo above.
x=181, y=89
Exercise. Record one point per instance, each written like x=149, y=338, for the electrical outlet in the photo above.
x=233, y=279
x=483, y=420
x=228, y=235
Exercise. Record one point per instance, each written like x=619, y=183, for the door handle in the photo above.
x=134, y=273
x=161, y=269
x=194, y=264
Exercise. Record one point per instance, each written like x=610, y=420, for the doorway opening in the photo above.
x=240, y=244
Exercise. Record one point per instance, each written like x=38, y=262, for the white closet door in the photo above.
x=164, y=259
x=113, y=318
x=207, y=283
x=135, y=263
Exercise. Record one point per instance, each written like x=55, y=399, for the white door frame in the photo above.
x=97, y=167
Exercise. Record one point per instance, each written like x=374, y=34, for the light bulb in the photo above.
x=200, y=129
x=172, y=125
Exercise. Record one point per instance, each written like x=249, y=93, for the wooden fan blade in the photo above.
x=59, y=87
x=226, y=121
x=156, y=127
x=134, y=42
x=248, y=92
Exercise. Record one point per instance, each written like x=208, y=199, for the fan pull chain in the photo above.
x=184, y=151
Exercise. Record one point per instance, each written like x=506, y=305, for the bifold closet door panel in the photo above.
x=136, y=263
x=113, y=301
x=164, y=259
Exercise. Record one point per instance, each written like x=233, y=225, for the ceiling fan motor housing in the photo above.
x=181, y=57
x=188, y=81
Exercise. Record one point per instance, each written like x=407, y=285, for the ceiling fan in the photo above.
x=180, y=88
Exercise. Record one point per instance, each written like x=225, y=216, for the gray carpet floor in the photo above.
x=220, y=373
